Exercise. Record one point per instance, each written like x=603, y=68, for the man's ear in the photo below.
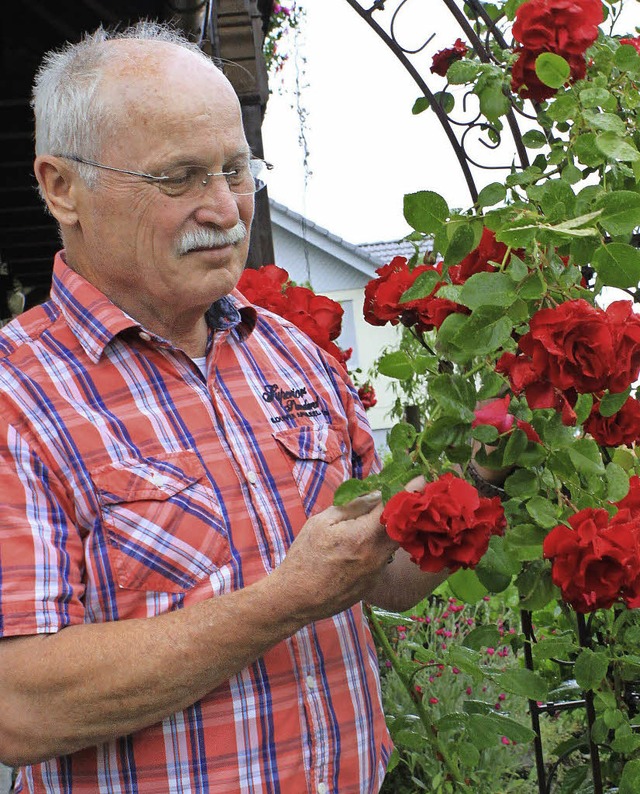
x=59, y=185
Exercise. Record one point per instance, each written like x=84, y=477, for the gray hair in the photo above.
x=69, y=116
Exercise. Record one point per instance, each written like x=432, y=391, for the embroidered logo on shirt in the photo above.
x=293, y=401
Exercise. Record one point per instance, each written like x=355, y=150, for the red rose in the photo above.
x=631, y=501
x=595, y=561
x=442, y=60
x=621, y=428
x=382, y=294
x=496, y=413
x=560, y=26
x=430, y=312
x=367, y=396
x=445, y=525
x=526, y=83
x=265, y=287
x=480, y=259
x=579, y=346
x=539, y=392
x=325, y=312
x=634, y=42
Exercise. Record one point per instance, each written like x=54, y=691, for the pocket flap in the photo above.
x=310, y=443
x=157, y=478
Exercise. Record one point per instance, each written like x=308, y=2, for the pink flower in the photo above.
x=433, y=701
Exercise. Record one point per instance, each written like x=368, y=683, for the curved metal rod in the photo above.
x=393, y=35
x=437, y=108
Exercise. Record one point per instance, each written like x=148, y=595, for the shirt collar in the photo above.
x=95, y=320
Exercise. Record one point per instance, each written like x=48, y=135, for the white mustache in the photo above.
x=211, y=238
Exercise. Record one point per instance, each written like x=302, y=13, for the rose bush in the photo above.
x=520, y=348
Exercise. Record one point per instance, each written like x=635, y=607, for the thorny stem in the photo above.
x=425, y=718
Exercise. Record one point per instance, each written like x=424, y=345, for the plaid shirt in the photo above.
x=132, y=485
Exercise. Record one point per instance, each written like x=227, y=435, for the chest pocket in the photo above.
x=164, y=530
x=319, y=460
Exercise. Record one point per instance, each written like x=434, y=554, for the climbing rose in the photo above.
x=496, y=413
x=595, y=561
x=445, y=525
x=442, y=60
x=562, y=26
x=367, y=396
x=577, y=346
x=621, y=428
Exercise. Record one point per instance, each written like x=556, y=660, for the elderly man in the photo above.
x=179, y=601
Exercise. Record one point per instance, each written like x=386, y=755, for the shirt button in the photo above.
x=145, y=336
x=252, y=477
x=323, y=788
x=311, y=682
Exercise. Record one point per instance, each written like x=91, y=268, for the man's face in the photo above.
x=170, y=111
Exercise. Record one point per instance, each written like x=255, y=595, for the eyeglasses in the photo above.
x=243, y=180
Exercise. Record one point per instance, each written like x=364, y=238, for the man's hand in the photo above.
x=337, y=556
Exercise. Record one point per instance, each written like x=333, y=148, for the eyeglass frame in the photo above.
x=159, y=179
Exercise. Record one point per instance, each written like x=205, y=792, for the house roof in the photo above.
x=365, y=257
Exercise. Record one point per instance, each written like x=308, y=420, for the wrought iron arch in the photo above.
x=382, y=16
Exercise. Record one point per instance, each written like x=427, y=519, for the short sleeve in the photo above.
x=41, y=552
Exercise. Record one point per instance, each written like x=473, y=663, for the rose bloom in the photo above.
x=634, y=42
x=382, y=294
x=430, y=312
x=595, y=560
x=579, y=346
x=367, y=396
x=479, y=260
x=265, y=287
x=325, y=313
x=442, y=60
x=526, y=83
x=560, y=26
x=621, y=428
x=445, y=525
x=631, y=501
x=496, y=413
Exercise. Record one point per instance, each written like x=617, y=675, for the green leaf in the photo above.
x=617, y=265
x=543, y=512
x=396, y=364
x=630, y=778
x=401, y=436
x=493, y=102
x=532, y=287
x=590, y=668
x=552, y=70
x=617, y=482
x=351, y=489
x=515, y=446
x=594, y=96
x=621, y=211
x=617, y=147
x=513, y=730
x=535, y=585
x=422, y=287
x=425, y=211
x=586, y=457
x=610, y=404
x=468, y=754
x=583, y=407
x=492, y=194
x=488, y=289
x=524, y=542
x=421, y=104
x=554, y=647
x=455, y=394
x=484, y=332
x=626, y=58
x=522, y=682
x=587, y=151
x=460, y=244
x=482, y=732
x=522, y=483
x=606, y=122
x=466, y=586
x=410, y=739
x=466, y=659
x=461, y=72
x=445, y=100
x=482, y=637
x=484, y=433
x=534, y=139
